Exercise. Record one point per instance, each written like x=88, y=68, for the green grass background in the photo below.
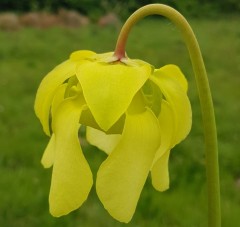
x=27, y=55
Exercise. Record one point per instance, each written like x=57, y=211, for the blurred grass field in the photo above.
x=27, y=55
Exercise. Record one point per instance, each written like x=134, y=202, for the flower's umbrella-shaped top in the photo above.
x=133, y=112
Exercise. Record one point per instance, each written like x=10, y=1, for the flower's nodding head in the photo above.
x=134, y=113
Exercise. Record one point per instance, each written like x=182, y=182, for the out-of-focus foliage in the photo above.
x=94, y=8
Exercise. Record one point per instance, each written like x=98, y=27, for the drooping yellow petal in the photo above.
x=122, y=175
x=174, y=120
x=159, y=170
x=49, y=85
x=49, y=153
x=160, y=174
x=177, y=98
x=174, y=72
x=109, y=88
x=167, y=128
x=71, y=177
x=105, y=142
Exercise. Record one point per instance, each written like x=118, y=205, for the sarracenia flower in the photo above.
x=133, y=112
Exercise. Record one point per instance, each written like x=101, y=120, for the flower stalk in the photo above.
x=211, y=145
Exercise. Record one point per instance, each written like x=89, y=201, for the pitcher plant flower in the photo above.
x=132, y=111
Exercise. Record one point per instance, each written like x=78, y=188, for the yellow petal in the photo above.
x=109, y=88
x=122, y=175
x=159, y=170
x=47, y=88
x=160, y=174
x=167, y=128
x=175, y=73
x=177, y=98
x=49, y=153
x=174, y=121
x=71, y=177
x=105, y=142
x=50, y=83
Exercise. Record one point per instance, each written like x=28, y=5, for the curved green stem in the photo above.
x=212, y=169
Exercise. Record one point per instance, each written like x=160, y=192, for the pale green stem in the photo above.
x=212, y=168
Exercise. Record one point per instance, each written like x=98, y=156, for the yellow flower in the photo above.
x=133, y=112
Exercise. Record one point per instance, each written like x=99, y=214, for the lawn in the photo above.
x=27, y=55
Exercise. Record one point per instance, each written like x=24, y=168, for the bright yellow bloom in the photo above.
x=133, y=112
